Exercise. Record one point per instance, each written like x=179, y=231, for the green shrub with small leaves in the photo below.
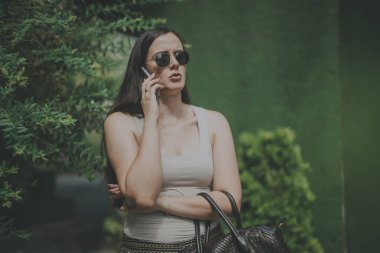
x=275, y=186
x=54, y=57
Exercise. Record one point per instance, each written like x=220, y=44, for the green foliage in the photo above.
x=275, y=185
x=7, y=228
x=113, y=228
x=53, y=57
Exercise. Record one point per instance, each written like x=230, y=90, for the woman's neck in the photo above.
x=172, y=107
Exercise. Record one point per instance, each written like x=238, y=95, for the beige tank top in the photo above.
x=183, y=175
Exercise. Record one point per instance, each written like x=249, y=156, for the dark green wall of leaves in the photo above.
x=360, y=80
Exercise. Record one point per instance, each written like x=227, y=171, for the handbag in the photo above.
x=255, y=239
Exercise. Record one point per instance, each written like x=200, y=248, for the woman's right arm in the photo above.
x=137, y=165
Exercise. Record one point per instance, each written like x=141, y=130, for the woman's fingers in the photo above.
x=114, y=190
x=148, y=97
x=156, y=87
x=147, y=83
x=111, y=186
x=147, y=88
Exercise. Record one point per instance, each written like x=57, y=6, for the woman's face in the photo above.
x=172, y=76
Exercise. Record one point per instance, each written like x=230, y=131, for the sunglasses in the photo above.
x=162, y=59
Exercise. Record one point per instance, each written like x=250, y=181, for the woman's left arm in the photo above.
x=226, y=176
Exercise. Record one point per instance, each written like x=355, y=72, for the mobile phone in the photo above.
x=147, y=74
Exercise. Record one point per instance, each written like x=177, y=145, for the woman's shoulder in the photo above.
x=215, y=119
x=217, y=124
x=120, y=119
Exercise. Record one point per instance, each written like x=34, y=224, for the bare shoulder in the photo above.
x=218, y=125
x=120, y=121
x=216, y=119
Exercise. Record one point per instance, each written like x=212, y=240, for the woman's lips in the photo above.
x=175, y=77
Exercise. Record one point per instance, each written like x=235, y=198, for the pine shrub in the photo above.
x=54, y=55
x=275, y=186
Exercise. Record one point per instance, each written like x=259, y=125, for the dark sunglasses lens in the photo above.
x=182, y=57
x=162, y=59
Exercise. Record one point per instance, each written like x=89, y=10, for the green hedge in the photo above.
x=275, y=186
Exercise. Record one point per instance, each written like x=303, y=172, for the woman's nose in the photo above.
x=173, y=62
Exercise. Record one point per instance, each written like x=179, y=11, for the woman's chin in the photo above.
x=174, y=86
x=170, y=91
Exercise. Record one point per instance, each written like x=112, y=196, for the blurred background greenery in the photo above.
x=312, y=66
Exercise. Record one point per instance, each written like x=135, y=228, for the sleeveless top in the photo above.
x=183, y=175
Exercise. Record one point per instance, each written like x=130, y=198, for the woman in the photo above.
x=163, y=150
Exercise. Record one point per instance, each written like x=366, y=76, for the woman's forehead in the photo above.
x=166, y=42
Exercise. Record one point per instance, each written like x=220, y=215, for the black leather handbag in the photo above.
x=255, y=239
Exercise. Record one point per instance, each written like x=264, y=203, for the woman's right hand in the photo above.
x=148, y=97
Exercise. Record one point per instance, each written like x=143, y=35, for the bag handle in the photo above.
x=235, y=209
x=235, y=212
x=198, y=236
x=240, y=240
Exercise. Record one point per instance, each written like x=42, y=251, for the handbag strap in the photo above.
x=235, y=209
x=198, y=236
x=207, y=230
x=240, y=240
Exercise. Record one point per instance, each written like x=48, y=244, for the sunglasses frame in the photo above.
x=168, y=62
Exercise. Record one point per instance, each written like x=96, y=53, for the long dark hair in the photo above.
x=129, y=98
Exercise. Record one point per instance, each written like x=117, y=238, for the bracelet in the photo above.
x=169, y=205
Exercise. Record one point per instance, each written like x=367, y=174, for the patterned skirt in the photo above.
x=134, y=245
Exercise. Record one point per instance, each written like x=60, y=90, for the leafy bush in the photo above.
x=275, y=185
x=53, y=91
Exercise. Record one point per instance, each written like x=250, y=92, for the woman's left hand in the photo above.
x=114, y=190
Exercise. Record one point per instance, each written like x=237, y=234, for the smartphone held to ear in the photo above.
x=147, y=74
